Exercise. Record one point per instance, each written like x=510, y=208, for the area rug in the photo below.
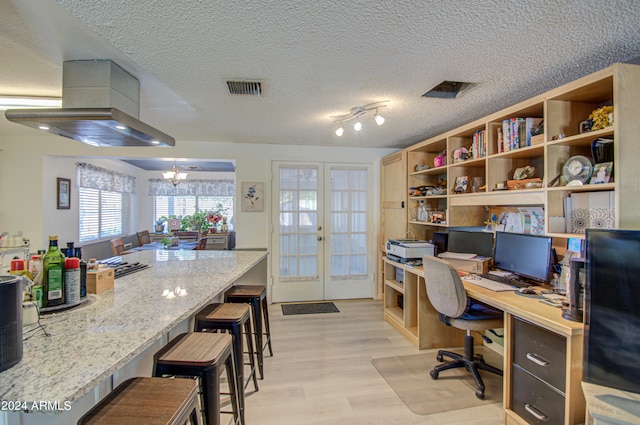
x=309, y=308
x=453, y=390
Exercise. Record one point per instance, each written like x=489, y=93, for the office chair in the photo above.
x=447, y=295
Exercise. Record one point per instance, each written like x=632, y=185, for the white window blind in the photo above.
x=103, y=214
x=164, y=206
x=103, y=202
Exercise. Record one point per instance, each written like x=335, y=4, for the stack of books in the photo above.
x=515, y=133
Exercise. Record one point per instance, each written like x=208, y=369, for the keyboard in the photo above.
x=507, y=280
x=478, y=280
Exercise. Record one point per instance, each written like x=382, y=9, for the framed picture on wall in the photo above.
x=252, y=197
x=63, y=194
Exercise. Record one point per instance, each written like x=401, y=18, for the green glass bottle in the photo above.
x=53, y=275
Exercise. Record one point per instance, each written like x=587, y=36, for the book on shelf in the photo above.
x=516, y=133
x=478, y=144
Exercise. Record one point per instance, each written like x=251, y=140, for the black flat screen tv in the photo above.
x=612, y=309
x=526, y=255
x=463, y=241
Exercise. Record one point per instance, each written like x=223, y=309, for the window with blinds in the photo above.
x=103, y=214
x=164, y=206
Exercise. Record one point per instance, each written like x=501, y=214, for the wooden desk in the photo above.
x=415, y=318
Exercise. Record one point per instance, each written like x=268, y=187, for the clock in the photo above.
x=577, y=168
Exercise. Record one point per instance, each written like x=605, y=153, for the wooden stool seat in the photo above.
x=197, y=349
x=224, y=312
x=202, y=355
x=256, y=296
x=147, y=401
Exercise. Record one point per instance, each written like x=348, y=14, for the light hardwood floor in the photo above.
x=321, y=373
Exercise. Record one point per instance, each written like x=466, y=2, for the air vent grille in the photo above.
x=449, y=90
x=244, y=88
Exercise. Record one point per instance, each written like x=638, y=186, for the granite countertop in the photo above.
x=89, y=344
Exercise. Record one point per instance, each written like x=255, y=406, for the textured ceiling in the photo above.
x=317, y=59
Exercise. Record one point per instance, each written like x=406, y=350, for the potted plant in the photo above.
x=160, y=225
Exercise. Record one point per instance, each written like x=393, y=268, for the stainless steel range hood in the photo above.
x=100, y=107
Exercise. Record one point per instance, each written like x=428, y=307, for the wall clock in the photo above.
x=577, y=168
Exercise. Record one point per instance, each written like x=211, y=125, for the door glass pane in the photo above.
x=348, y=223
x=298, y=223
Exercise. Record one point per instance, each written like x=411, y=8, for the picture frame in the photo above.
x=601, y=173
x=462, y=183
x=63, y=192
x=252, y=196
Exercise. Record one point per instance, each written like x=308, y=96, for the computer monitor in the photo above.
x=467, y=242
x=528, y=256
x=611, y=309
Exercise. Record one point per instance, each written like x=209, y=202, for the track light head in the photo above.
x=358, y=125
x=378, y=118
x=340, y=131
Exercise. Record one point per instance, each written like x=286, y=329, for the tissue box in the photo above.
x=100, y=281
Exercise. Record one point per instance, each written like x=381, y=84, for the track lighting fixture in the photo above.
x=356, y=112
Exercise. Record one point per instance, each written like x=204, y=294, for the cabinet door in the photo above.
x=393, y=197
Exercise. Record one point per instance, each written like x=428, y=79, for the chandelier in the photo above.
x=356, y=112
x=174, y=176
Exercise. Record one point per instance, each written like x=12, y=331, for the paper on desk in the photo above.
x=457, y=255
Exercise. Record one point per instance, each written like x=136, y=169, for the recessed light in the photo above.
x=43, y=127
x=121, y=127
x=155, y=142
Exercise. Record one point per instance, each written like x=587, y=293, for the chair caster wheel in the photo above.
x=480, y=394
x=434, y=374
x=440, y=358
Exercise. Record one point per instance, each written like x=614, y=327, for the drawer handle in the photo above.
x=535, y=412
x=537, y=359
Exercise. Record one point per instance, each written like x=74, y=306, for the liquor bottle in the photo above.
x=53, y=275
x=83, y=271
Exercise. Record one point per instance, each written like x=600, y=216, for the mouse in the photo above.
x=527, y=291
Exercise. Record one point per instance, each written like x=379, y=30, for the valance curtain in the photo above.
x=92, y=177
x=220, y=187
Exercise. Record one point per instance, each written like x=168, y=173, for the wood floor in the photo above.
x=321, y=373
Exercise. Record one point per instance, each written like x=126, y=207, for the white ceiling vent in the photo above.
x=244, y=87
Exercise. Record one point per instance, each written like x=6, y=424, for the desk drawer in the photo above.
x=541, y=353
x=535, y=401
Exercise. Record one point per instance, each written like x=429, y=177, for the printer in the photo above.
x=408, y=251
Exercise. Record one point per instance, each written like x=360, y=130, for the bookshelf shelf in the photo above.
x=563, y=110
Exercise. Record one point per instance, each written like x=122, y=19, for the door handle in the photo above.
x=319, y=238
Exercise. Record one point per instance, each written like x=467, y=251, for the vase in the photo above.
x=225, y=228
x=159, y=228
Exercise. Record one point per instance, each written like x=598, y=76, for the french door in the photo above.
x=322, y=239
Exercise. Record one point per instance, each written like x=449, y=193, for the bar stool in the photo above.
x=232, y=318
x=202, y=355
x=147, y=401
x=256, y=296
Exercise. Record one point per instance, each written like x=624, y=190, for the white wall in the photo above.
x=31, y=160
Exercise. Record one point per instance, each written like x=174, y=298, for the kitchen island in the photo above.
x=92, y=349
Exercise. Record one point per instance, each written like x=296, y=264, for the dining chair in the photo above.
x=202, y=244
x=117, y=246
x=186, y=235
x=143, y=237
